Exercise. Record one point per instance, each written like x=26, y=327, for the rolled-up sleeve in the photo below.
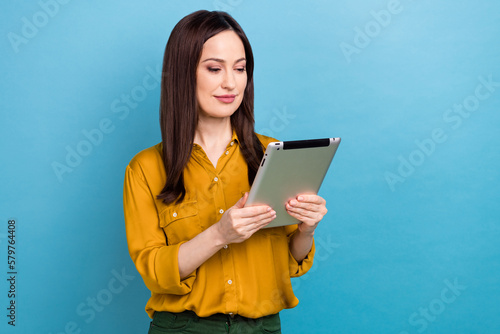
x=155, y=260
x=295, y=268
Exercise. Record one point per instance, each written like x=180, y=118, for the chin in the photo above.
x=221, y=112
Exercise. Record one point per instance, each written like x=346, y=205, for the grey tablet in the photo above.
x=288, y=169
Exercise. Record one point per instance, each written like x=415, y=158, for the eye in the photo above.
x=213, y=69
x=241, y=69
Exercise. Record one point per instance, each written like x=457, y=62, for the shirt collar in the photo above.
x=234, y=139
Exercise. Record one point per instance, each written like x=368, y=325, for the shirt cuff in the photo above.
x=167, y=272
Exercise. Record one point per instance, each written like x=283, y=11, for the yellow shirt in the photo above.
x=251, y=278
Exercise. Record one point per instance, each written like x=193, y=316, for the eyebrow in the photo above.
x=222, y=60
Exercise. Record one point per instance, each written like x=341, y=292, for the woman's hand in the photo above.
x=309, y=209
x=236, y=225
x=239, y=223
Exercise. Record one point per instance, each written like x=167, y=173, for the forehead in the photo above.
x=226, y=44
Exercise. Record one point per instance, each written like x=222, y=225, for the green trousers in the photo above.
x=189, y=322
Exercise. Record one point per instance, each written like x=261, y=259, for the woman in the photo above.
x=210, y=265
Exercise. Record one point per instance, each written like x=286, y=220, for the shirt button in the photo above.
x=229, y=282
x=227, y=152
x=225, y=246
x=221, y=211
x=216, y=179
x=175, y=214
x=232, y=143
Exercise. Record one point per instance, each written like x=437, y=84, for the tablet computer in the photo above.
x=290, y=168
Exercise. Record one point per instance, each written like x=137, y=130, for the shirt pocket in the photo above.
x=180, y=222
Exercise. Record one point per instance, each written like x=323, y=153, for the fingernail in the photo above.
x=268, y=209
x=300, y=198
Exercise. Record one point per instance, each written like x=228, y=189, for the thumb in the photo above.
x=241, y=203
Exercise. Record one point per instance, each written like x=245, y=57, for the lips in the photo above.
x=226, y=98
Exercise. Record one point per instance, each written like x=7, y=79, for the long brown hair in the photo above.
x=179, y=106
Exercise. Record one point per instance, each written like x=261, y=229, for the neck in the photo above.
x=211, y=132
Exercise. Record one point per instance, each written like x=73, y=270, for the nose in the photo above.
x=228, y=82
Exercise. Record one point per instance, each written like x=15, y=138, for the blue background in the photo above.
x=411, y=240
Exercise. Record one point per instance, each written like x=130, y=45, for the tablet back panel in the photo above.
x=288, y=169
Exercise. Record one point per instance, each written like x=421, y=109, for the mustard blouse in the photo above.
x=251, y=278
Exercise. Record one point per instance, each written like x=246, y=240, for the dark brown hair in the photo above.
x=179, y=106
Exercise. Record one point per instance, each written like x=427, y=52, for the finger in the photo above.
x=241, y=202
x=310, y=198
x=263, y=218
x=309, y=206
x=306, y=220
x=319, y=206
x=304, y=205
x=255, y=226
x=247, y=231
x=265, y=215
x=258, y=221
x=302, y=212
x=313, y=215
x=244, y=224
x=254, y=211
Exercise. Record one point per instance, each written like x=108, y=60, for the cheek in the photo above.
x=204, y=84
x=242, y=83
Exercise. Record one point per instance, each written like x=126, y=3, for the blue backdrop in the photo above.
x=411, y=240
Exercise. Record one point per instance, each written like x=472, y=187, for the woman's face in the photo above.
x=221, y=76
